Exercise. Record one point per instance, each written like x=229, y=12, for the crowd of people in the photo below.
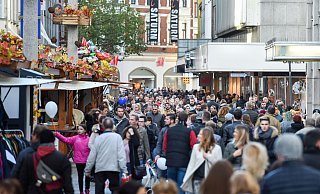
x=211, y=143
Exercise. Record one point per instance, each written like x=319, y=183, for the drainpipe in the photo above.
x=315, y=66
x=309, y=89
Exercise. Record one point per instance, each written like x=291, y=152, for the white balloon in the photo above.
x=51, y=109
x=161, y=163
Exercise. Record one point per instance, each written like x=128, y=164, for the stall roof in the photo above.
x=15, y=81
x=73, y=85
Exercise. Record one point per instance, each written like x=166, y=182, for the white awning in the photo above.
x=73, y=85
x=15, y=81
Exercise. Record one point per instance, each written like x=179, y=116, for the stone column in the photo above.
x=315, y=66
x=30, y=29
x=73, y=35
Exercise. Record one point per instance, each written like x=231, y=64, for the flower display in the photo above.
x=10, y=48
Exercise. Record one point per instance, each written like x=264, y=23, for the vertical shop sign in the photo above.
x=154, y=20
x=174, y=21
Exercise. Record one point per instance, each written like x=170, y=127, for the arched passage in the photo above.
x=143, y=75
x=173, y=80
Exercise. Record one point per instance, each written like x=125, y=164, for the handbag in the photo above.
x=140, y=171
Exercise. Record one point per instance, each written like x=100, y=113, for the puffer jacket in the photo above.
x=79, y=145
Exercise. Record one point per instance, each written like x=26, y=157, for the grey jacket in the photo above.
x=144, y=148
x=107, y=154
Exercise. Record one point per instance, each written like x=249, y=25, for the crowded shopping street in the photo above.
x=159, y=97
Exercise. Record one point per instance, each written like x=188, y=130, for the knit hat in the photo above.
x=296, y=118
x=289, y=146
x=228, y=117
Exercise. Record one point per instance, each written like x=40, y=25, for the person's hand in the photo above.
x=55, y=133
x=205, y=155
x=237, y=153
x=88, y=174
x=157, y=157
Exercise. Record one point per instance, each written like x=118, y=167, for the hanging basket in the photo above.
x=84, y=20
x=65, y=19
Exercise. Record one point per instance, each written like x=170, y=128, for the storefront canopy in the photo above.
x=15, y=81
x=72, y=85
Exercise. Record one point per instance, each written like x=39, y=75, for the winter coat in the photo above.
x=285, y=125
x=79, y=145
x=58, y=162
x=253, y=115
x=228, y=154
x=269, y=142
x=291, y=177
x=311, y=158
x=144, y=148
x=134, y=159
x=120, y=124
x=228, y=131
x=157, y=119
x=295, y=127
x=196, y=161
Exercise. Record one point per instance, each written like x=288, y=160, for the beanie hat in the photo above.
x=228, y=117
x=296, y=118
x=289, y=146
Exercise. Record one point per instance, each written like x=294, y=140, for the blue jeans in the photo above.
x=177, y=174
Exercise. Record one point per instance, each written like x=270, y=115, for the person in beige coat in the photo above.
x=203, y=156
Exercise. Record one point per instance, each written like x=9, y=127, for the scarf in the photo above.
x=45, y=149
x=265, y=134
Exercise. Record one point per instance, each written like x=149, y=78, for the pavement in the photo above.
x=75, y=181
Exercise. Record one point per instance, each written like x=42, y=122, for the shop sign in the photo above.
x=174, y=21
x=154, y=20
x=205, y=79
x=160, y=61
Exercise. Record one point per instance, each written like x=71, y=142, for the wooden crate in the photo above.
x=66, y=19
x=84, y=20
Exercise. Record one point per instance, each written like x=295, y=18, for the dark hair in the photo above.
x=38, y=129
x=271, y=109
x=83, y=126
x=10, y=186
x=144, y=118
x=311, y=139
x=101, y=118
x=206, y=116
x=131, y=187
x=193, y=118
x=103, y=106
x=237, y=114
x=119, y=107
x=264, y=118
x=217, y=181
x=149, y=119
x=46, y=136
x=183, y=116
x=172, y=116
x=204, y=106
x=107, y=123
x=127, y=129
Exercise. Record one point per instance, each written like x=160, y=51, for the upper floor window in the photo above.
x=195, y=9
x=133, y=2
x=148, y=2
x=184, y=3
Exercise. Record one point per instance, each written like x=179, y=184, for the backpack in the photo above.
x=47, y=179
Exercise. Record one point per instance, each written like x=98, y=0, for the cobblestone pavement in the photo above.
x=75, y=181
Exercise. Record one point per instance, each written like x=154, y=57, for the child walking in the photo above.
x=80, y=153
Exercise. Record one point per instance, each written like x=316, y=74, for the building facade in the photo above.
x=155, y=67
x=247, y=23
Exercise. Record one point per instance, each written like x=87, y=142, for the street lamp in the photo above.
x=298, y=52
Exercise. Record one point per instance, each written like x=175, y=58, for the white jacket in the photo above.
x=195, y=162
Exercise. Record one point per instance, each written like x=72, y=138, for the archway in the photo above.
x=173, y=80
x=145, y=76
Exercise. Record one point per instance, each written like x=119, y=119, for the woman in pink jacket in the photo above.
x=80, y=153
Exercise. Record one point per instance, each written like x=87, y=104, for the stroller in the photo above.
x=151, y=178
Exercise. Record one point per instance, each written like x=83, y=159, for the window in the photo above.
x=133, y=2
x=184, y=3
x=195, y=9
x=148, y=2
x=184, y=30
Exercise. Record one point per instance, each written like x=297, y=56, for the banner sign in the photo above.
x=174, y=21
x=154, y=20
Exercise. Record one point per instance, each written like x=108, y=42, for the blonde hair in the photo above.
x=208, y=143
x=243, y=135
x=243, y=182
x=255, y=159
x=165, y=187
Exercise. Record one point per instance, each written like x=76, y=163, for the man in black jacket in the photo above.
x=293, y=176
x=228, y=130
x=311, y=154
x=253, y=114
x=29, y=150
x=120, y=120
x=55, y=160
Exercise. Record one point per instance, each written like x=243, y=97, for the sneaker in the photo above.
x=87, y=191
x=81, y=192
